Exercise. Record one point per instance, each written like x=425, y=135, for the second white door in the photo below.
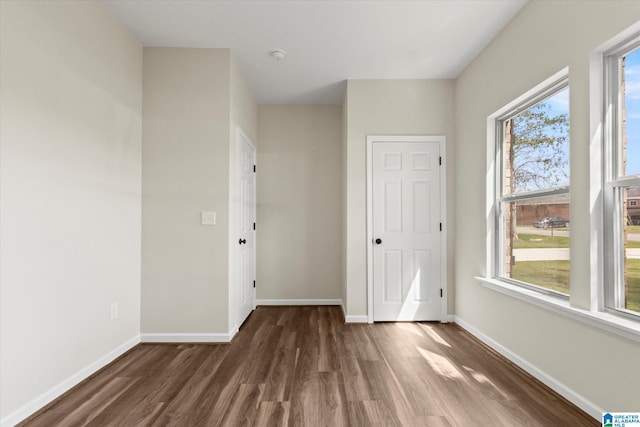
x=246, y=226
x=406, y=231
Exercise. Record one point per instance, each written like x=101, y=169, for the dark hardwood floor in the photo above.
x=303, y=366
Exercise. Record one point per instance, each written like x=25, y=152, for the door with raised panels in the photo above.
x=246, y=217
x=406, y=231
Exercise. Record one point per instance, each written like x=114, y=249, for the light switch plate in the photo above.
x=208, y=218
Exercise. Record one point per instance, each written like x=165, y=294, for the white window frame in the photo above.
x=495, y=177
x=594, y=315
x=615, y=182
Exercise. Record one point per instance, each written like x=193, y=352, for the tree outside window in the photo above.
x=535, y=195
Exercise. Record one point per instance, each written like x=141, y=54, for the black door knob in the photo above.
x=378, y=241
x=241, y=241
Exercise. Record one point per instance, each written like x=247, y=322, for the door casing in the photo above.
x=442, y=141
x=242, y=138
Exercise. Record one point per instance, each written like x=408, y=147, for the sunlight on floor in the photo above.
x=440, y=364
x=409, y=327
x=434, y=335
x=478, y=376
x=482, y=379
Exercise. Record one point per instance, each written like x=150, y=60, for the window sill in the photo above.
x=627, y=328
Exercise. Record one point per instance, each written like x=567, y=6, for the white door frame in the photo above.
x=442, y=140
x=240, y=135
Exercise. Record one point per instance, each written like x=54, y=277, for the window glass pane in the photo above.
x=629, y=296
x=536, y=146
x=535, y=247
x=627, y=293
x=631, y=113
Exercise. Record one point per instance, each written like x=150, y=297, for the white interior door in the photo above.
x=406, y=224
x=246, y=217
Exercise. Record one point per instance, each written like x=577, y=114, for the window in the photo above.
x=531, y=247
x=528, y=198
x=622, y=179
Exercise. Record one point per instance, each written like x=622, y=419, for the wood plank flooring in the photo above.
x=302, y=366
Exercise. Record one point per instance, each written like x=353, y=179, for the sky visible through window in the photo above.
x=632, y=104
x=559, y=104
x=541, y=144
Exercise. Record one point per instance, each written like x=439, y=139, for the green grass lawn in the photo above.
x=633, y=284
x=633, y=228
x=554, y=275
x=526, y=241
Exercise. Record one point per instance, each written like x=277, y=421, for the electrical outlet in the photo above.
x=114, y=311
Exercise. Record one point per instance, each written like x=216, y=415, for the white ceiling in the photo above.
x=327, y=41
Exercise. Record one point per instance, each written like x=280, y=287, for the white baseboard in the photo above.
x=365, y=319
x=356, y=319
x=234, y=331
x=298, y=302
x=566, y=392
x=347, y=319
x=353, y=319
x=188, y=338
x=53, y=393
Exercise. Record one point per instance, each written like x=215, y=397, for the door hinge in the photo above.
x=440, y=292
x=254, y=285
x=254, y=168
x=440, y=161
x=254, y=225
x=440, y=226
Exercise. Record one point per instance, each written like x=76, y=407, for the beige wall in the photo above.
x=389, y=107
x=601, y=367
x=299, y=202
x=70, y=137
x=244, y=116
x=185, y=170
x=244, y=110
